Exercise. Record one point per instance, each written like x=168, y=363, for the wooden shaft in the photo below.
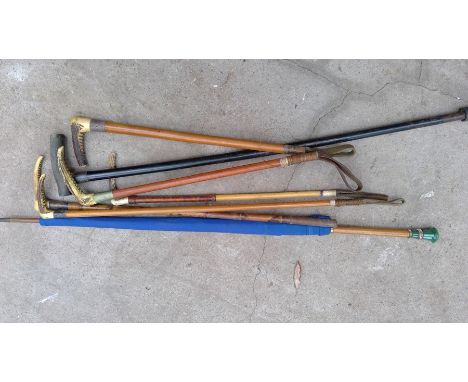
x=140, y=211
x=141, y=199
x=149, y=132
x=356, y=230
x=216, y=174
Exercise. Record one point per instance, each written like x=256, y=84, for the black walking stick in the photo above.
x=88, y=176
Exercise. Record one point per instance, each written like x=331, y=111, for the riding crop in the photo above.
x=345, y=194
x=177, y=210
x=81, y=177
x=326, y=155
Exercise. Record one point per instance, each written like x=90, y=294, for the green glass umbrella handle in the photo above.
x=430, y=234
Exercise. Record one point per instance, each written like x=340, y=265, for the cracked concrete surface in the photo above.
x=89, y=275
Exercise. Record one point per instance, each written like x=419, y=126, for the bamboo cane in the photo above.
x=82, y=125
x=147, y=199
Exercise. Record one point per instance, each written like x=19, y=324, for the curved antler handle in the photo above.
x=79, y=127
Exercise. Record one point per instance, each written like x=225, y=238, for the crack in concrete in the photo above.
x=228, y=77
x=333, y=109
x=259, y=270
x=420, y=71
x=408, y=83
x=349, y=91
x=291, y=177
x=383, y=87
x=374, y=93
x=317, y=74
x=432, y=90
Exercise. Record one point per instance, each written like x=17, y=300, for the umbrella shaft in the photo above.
x=372, y=231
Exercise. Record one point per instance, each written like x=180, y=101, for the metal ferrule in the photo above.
x=119, y=202
x=329, y=193
x=82, y=123
x=102, y=197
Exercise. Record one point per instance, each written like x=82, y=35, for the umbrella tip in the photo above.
x=19, y=220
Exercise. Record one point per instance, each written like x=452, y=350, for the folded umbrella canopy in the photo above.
x=194, y=224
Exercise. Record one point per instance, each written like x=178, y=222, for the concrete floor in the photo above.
x=88, y=275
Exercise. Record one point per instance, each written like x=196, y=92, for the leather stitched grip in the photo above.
x=350, y=202
x=337, y=151
x=299, y=158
